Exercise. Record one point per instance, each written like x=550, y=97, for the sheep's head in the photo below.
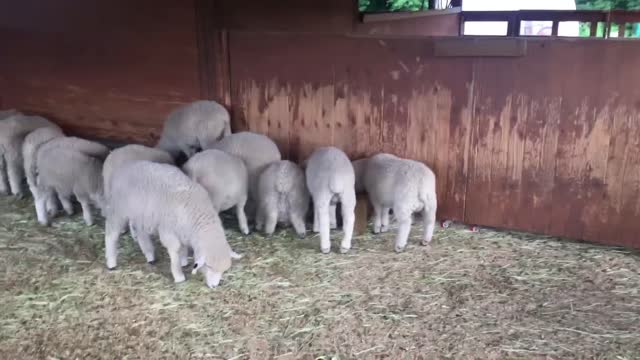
x=213, y=266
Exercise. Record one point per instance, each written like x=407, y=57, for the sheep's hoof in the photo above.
x=384, y=229
x=302, y=235
x=152, y=262
x=325, y=250
x=399, y=249
x=111, y=268
x=19, y=195
x=179, y=279
x=344, y=250
x=45, y=223
x=376, y=230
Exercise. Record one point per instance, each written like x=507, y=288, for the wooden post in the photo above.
x=362, y=207
x=622, y=27
x=594, y=29
x=554, y=28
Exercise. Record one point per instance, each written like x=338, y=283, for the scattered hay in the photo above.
x=489, y=294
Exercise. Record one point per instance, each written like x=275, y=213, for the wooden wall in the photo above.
x=101, y=68
x=547, y=142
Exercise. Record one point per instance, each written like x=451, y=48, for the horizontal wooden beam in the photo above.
x=480, y=47
x=403, y=15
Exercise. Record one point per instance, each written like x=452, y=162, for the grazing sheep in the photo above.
x=194, y=127
x=129, y=153
x=256, y=150
x=406, y=186
x=70, y=166
x=282, y=197
x=225, y=178
x=13, y=130
x=160, y=199
x=331, y=179
x=30, y=146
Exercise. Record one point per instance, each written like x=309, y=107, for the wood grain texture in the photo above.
x=108, y=69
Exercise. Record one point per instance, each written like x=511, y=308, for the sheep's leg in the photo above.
x=271, y=221
x=404, y=227
x=15, y=173
x=176, y=264
x=86, y=211
x=52, y=205
x=321, y=210
x=429, y=221
x=184, y=256
x=348, y=201
x=316, y=221
x=41, y=208
x=242, y=218
x=385, y=219
x=332, y=217
x=297, y=221
x=113, y=228
x=377, y=218
x=4, y=189
x=146, y=245
x=66, y=204
x=260, y=219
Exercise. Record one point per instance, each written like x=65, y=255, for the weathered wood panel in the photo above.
x=109, y=69
x=362, y=95
x=528, y=143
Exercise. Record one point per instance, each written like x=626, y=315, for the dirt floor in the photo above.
x=472, y=295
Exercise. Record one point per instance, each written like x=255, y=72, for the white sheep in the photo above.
x=128, y=153
x=256, y=150
x=160, y=199
x=225, y=178
x=194, y=127
x=30, y=146
x=282, y=197
x=406, y=186
x=13, y=130
x=331, y=179
x=69, y=166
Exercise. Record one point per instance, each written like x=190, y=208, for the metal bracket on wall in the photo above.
x=480, y=46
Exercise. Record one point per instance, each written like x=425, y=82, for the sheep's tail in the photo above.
x=427, y=191
x=336, y=185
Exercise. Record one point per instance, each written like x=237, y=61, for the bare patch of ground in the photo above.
x=483, y=295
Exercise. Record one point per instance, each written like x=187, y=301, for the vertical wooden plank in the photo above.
x=593, y=29
x=621, y=29
x=554, y=28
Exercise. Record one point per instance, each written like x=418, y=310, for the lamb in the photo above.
x=160, y=199
x=30, y=146
x=129, y=153
x=256, y=150
x=13, y=130
x=331, y=179
x=282, y=197
x=225, y=178
x=406, y=186
x=70, y=166
x=194, y=127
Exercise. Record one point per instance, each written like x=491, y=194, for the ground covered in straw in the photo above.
x=472, y=295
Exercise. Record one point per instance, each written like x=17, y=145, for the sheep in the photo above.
x=13, y=129
x=30, y=146
x=282, y=197
x=256, y=150
x=128, y=153
x=194, y=127
x=225, y=178
x=70, y=166
x=406, y=186
x=331, y=179
x=160, y=199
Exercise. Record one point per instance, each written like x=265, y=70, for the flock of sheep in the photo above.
x=150, y=192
